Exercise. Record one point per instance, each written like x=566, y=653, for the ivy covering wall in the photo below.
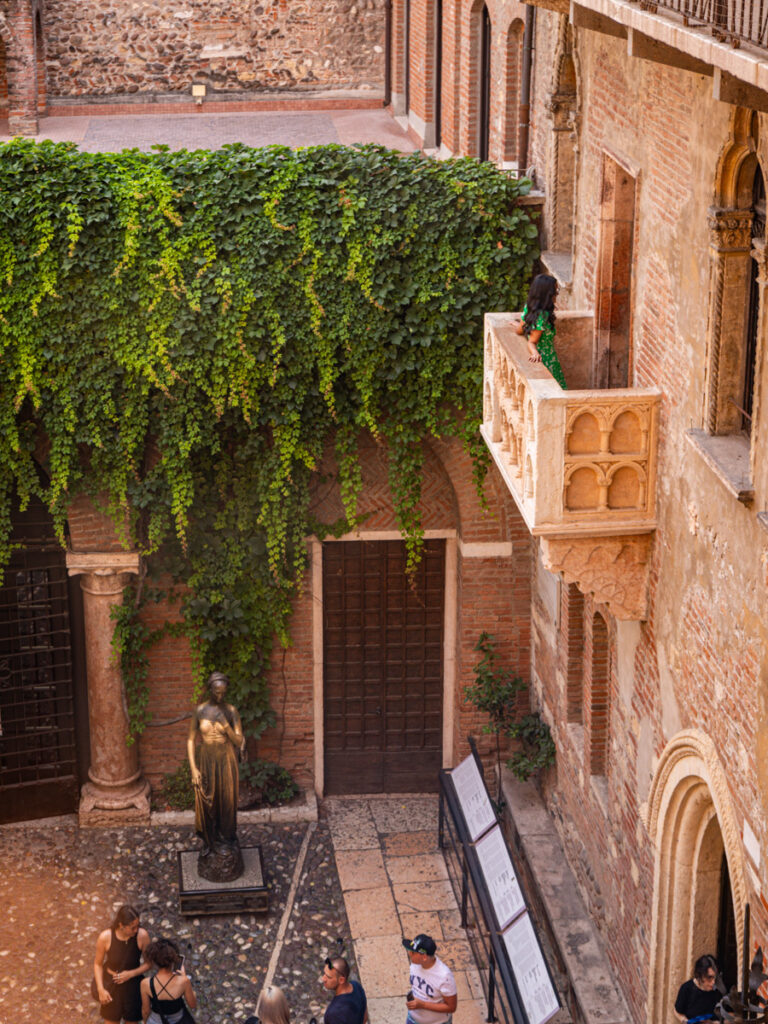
x=185, y=332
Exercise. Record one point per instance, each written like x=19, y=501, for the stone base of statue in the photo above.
x=223, y=863
x=246, y=894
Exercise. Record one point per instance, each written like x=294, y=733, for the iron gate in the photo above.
x=38, y=751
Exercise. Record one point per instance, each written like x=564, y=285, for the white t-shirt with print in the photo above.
x=433, y=985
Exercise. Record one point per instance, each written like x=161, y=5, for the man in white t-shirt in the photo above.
x=432, y=998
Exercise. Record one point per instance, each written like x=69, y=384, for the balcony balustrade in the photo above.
x=580, y=464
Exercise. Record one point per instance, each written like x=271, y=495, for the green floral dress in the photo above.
x=546, y=347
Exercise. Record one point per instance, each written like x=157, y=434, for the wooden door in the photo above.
x=382, y=667
x=38, y=724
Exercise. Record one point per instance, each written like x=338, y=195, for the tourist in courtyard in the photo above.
x=349, y=1004
x=118, y=966
x=433, y=996
x=272, y=1007
x=538, y=325
x=166, y=996
x=698, y=997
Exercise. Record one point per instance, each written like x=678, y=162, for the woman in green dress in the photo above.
x=538, y=325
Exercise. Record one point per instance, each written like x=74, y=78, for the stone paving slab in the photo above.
x=428, y=867
x=361, y=869
x=418, y=897
x=60, y=886
x=110, y=133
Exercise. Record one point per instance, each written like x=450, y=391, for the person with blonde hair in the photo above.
x=272, y=1007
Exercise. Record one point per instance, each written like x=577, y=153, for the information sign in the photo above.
x=500, y=878
x=531, y=974
x=473, y=797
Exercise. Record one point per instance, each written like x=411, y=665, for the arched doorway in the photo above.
x=484, y=127
x=43, y=738
x=693, y=825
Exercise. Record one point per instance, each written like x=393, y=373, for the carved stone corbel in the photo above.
x=612, y=569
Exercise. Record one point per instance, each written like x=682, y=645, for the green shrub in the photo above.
x=271, y=784
x=177, y=791
x=538, y=747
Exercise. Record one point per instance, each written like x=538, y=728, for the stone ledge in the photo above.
x=591, y=992
x=727, y=455
x=303, y=810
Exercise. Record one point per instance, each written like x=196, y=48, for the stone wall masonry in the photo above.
x=159, y=47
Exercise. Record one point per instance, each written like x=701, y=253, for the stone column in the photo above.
x=116, y=793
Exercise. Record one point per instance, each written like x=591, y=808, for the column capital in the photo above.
x=102, y=563
x=730, y=230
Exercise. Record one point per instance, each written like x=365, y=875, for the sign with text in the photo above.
x=500, y=878
x=530, y=970
x=473, y=797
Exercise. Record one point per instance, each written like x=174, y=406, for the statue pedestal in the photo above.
x=247, y=894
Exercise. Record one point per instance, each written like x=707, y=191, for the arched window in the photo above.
x=599, y=697
x=484, y=133
x=561, y=187
x=572, y=626
x=42, y=92
x=753, y=307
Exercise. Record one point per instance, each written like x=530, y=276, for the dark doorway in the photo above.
x=438, y=73
x=39, y=686
x=485, y=86
x=727, y=948
x=407, y=55
x=382, y=667
x=613, y=316
x=753, y=310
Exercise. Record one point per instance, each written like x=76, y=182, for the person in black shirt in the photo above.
x=698, y=997
x=349, y=1005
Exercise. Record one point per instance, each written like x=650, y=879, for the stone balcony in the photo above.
x=580, y=464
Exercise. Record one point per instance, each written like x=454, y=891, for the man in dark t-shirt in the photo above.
x=349, y=1005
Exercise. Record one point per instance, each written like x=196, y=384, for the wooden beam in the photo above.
x=728, y=89
x=582, y=17
x=640, y=45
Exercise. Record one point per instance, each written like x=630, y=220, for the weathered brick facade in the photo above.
x=620, y=695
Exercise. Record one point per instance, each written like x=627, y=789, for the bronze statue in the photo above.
x=216, y=782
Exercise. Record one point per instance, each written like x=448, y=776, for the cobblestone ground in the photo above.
x=59, y=886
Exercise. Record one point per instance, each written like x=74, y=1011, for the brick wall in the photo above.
x=699, y=660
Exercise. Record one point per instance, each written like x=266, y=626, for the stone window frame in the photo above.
x=722, y=443
x=563, y=106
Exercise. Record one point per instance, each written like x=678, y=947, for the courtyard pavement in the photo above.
x=366, y=874
x=112, y=133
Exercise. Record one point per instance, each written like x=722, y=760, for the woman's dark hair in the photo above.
x=703, y=965
x=163, y=953
x=125, y=915
x=541, y=299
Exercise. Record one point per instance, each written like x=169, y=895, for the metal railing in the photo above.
x=730, y=21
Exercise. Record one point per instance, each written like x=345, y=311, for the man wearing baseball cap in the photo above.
x=433, y=997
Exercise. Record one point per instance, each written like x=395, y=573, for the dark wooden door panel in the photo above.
x=383, y=667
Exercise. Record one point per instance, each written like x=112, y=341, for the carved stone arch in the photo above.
x=563, y=106
x=691, y=821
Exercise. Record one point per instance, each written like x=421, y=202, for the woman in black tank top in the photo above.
x=117, y=967
x=163, y=996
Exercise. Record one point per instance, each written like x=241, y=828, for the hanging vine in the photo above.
x=186, y=332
